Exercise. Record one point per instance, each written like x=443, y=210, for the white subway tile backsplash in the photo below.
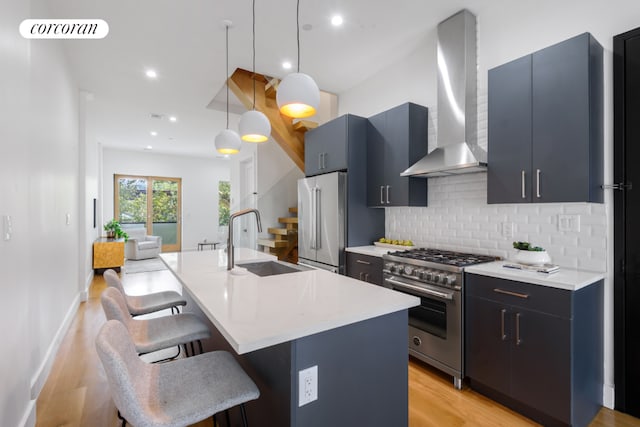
x=458, y=218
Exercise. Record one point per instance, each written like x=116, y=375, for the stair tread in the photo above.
x=288, y=220
x=304, y=125
x=293, y=209
x=273, y=243
x=278, y=230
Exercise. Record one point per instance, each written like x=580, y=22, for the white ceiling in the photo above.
x=185, y=42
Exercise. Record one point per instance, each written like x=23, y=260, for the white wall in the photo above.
x=276, y=178
x=38, y=188
x=506, y=31
x=88, y=180
x=277, y=185
x=200, y=179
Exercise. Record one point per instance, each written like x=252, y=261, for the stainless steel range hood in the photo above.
x=457, y=142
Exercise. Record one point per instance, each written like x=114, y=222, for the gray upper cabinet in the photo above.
x=341, y=145
x=546, y=112
x=326, y=147
x=396, y=139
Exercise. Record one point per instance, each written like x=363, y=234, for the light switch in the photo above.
x=569, y=223
x=507, y=230
x=7, y=227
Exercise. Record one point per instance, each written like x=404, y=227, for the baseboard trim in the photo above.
x=40, y=376
x=84, y=294
x=29, y=417
x=608, y=396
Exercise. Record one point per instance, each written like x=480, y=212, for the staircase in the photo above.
x=284, y=244
x=288, y=134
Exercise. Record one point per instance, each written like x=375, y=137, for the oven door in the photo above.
x=435, y=326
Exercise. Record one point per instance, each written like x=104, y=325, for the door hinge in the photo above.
x=620, y=186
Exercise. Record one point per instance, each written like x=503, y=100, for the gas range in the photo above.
x=433, y=266
x=436, y=327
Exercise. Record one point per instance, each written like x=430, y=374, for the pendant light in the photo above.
x=254, y=125
x=298, y=95
x=227, y=141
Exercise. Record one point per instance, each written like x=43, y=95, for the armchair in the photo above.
x=142, y=246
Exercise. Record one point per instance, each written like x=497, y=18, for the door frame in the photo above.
x=248, y=193
x=619, y=223
x=177, y=247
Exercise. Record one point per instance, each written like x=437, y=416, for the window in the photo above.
x=152, y=203
x=224, y=202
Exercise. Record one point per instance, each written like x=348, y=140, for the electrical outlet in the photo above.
x=507, y=230
x=307, y=385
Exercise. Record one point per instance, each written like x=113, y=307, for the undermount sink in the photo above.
x=271, y=268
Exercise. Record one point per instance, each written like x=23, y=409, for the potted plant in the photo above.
x=114, y=230
x=529, y=254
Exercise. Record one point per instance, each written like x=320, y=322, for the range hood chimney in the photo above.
x=457, y=142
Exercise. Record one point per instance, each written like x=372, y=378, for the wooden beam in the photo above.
x=282, y=130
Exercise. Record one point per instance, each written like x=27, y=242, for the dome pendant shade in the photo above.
x=254, y=127
x=228, y=142
x=298, y=96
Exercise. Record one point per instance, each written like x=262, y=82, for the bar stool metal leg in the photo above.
x=244, y=415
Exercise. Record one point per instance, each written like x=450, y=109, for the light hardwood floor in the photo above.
x=76, y=392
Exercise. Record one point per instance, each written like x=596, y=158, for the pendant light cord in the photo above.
x=226, y=77
x=298, y=30
x=254, y=53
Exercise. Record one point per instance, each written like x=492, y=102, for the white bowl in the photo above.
x=532, y=257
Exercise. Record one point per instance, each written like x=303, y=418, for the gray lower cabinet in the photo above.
x=326, y=147
x=536, y=349
x=545, y=111
x=364, y=267
x=396, y=139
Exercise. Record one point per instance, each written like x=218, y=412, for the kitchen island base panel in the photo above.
x=362, y=374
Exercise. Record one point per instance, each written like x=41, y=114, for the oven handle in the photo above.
x=420, y=290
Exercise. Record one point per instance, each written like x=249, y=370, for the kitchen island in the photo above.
x=354, y=332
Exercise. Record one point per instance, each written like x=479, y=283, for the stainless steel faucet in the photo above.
x=230, y=240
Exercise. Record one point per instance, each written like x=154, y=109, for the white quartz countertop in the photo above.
x=565, y=278
x=370, y=250
x=254, y=312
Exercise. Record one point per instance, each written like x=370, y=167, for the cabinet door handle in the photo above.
x=513, y=294
x=359, y=261
x=360, y=275
x=324, y=160
x=502, y=334
x=518, y=340
x=388, y=187
x=382, y=194
x=366, y=277
x=538, y=183
x=320, y=161
x=524, y=195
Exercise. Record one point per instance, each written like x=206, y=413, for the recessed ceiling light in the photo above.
x=173, y=119
x=152, y=74
x=148, y=147
x=153, y=133
x=286, y=65
x=336, y=20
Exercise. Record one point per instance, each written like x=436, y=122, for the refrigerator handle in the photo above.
x=313, y=218
x=318, y=216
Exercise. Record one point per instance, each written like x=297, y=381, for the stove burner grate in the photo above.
x=458, y=259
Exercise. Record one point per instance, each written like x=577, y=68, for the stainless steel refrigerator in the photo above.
x=322, y=221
